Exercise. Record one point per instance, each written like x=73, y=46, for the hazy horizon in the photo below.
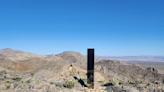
x=86, y=54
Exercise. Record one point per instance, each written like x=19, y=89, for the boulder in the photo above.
x=59, y=83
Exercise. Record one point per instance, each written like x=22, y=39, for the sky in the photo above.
x=111, y=27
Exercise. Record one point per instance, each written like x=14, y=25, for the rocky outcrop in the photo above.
x=152, y=69
x=128, y=71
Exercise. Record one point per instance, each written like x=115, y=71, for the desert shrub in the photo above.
x=51, y=83
x=114, y=81
x=138, y=76
x=148, y=84
x=7, y=86
x=70, y=83
x=8, y=68
x=122, y=82
x=38, y=81
x=16, y=78
x=21, y=86
x=32, y=74
x=48, y=91
x=84, y=79
x=131, y=82
x=71, y=65
x=102, y=81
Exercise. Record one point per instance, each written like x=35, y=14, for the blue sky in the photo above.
x=112, y=27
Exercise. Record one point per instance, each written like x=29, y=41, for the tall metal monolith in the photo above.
x=90, y=68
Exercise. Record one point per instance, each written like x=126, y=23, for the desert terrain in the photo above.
x=67, y=72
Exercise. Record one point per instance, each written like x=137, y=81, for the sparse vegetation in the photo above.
x=16, y=78
x=70, y=83
x=51, y=83
x=84, y=79
x=7, y=86
x=32, y=74
x=21, y=86
x=131, y=82
x=148, y=84
x=8, y=67
x=38, y=81
x=54, y=76
x=30, y=86
x=48, y=91
x=122, y=82
x=102, y=81
x=22, y=80
x=5, y=77
x=114, y=81
x=138, y=76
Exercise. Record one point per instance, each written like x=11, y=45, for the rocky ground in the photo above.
x=73, y=79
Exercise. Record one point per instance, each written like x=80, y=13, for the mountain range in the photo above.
x=56, y=67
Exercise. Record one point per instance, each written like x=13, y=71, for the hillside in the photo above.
x=76, y=57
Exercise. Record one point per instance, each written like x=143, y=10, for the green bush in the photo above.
x=70, y=83
x=114, y=81
x=7, y=86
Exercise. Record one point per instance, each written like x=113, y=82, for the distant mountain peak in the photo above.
x=8, y=51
